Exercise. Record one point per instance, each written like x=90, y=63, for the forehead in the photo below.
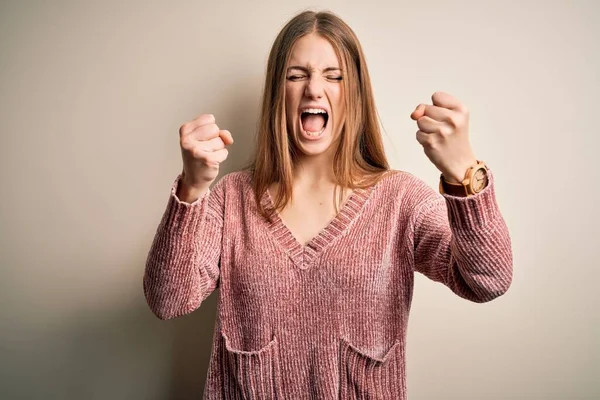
x=313, y=51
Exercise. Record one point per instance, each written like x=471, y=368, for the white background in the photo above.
x=91, y=98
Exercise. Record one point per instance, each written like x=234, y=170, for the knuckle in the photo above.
x=209, y=145
x=210, y=129
x=432, y=145
x=184, y=129
x=424, y=139
x=455, y=120
x=198, y=153
x=205, y=119
x=445, y=131
x=185, y=144
x=211, y=161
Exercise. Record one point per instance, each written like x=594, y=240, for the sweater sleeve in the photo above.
x=182, y=267
x=464, y=243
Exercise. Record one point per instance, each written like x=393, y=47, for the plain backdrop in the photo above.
x=92, y=95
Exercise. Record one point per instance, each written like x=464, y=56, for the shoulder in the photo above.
x=405, y=186
x=235, y=180
x=400, y=195
x=232, y=186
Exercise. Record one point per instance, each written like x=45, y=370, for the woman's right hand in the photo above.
x=203, y=148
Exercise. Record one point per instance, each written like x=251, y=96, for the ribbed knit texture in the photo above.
x=327, y=320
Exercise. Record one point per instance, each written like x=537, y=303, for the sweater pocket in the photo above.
x=364, y=376
x=252, y=374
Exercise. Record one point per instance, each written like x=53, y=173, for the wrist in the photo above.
x=474, y=181
x=457, y=173
x=190, y=193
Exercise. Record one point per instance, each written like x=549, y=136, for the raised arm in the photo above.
x=464, y=243
x=182, y=268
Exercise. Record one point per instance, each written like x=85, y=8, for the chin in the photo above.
x=312, y=150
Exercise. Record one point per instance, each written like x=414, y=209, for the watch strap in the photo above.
x=465, y=188
x=453, y=189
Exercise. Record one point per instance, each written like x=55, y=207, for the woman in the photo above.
x=314, y=247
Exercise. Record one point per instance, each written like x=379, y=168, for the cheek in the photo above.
x=291, y=94
x=337, y=98
x=291, y=105
x=292, y=102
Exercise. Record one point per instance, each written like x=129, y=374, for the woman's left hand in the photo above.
x=444, y=134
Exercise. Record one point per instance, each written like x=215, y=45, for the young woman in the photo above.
x=314, y=247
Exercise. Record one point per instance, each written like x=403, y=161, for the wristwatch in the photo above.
x=476, y=179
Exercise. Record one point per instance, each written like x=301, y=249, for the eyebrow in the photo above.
x=304, y=69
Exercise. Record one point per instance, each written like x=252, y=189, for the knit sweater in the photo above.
x=325, y=320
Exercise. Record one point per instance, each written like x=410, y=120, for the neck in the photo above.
x=314, y=171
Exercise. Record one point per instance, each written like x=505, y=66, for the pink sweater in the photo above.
x=327, y=320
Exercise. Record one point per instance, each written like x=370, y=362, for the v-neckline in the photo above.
x=303, y=256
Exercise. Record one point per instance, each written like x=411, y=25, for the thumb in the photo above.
x=418, y=113
x=226, y=137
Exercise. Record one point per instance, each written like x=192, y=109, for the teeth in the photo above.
x=314, y=134
x=315, y=111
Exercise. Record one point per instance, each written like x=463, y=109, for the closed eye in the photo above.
x=334, y=78
x=296, y=77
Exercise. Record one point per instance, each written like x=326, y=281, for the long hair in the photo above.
x=360, y=160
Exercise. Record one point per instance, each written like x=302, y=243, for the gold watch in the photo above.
x=476, y=179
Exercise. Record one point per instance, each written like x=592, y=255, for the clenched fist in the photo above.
x=203, y=149
x=444, y=134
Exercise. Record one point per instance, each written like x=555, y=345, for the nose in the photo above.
x=314, y=88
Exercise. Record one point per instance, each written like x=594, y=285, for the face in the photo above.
x=314, y=95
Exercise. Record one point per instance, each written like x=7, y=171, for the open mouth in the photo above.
x=314, y=121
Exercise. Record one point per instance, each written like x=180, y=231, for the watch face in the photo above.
x=480, y=180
